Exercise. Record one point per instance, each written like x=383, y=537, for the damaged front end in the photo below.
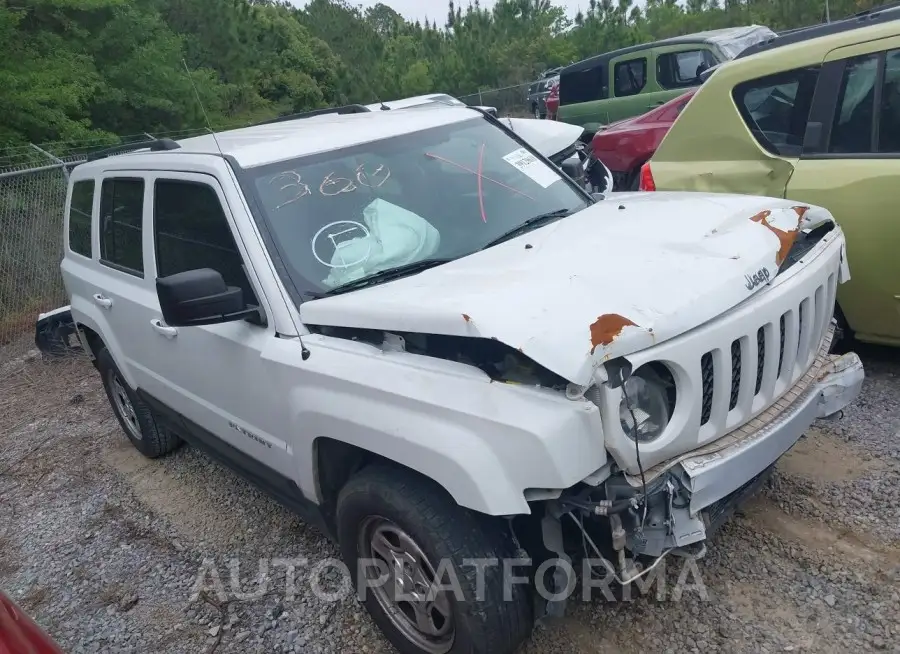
x=632, y=522
x=726, y=401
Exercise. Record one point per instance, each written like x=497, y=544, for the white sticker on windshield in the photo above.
x=530, y=165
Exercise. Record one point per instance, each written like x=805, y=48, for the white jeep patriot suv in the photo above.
x=413, y=329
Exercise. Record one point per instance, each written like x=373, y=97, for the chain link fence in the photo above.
x=33, y=184
x=509, y=100
x=32, y=197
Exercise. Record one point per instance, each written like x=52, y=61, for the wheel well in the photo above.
x=337, y=461
x=94, y=341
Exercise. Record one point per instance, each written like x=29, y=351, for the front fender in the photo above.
x=485, y=442
x=456, y=459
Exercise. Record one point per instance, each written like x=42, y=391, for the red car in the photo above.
x=625, y=146
x=19, y=634
x=552, y=102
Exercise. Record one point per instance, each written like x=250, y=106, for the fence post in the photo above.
x=53, y=157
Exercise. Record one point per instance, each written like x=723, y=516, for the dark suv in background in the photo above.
x=538, y=91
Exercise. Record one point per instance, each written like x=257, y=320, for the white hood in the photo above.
x=548, y=137
x=622, y=275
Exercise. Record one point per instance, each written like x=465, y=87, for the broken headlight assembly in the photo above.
x=648, y=400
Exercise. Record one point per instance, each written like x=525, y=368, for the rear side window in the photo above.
x=854, y=118
x=682, y=69
x=191, y=231
x=121, y=224
x=584, y=85
x=630, y=77
x=80, y=211
x=776, y=108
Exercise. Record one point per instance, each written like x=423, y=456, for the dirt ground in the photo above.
x=105, y=547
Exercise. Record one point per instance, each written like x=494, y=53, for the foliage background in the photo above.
x=77, y=70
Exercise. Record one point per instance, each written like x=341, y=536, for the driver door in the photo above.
x=218, y=377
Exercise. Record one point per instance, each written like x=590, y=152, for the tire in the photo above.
x=634, y=179
x=536, y=112
x=384, y=500
x=844, y=338
x=137, y=420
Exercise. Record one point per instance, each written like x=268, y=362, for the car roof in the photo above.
x=286, y=139
x=414, y=101
x=863, y=19
x=696, y=37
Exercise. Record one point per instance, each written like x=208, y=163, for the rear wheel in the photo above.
x=136, y=418
x=410, y=550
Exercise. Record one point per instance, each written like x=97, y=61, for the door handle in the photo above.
x=104, y=302
x=164, y=329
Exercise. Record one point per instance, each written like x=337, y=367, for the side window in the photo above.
x=121, y=223
x=776, y=108
x=80, y=211
x=584, y=85
x=190, y=231
x=889, y=126
x=630, y=77
x=682, y=69
x=854, y=117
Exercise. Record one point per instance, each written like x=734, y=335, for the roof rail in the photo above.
x=884, y=13
x=154, y=145
x=346, y=109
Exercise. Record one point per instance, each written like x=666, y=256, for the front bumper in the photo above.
x=710, y=477
x=697, y=491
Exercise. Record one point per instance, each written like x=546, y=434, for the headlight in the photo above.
x=650, y=402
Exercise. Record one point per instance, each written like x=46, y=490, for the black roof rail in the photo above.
x=873, y=16
x=155, y=145
x=346, y=109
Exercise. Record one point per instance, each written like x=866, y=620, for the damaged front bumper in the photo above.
x=698, y=490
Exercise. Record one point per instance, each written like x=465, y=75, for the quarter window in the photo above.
x=631, y=77
x=80, y=211
x=776, y=108
x=191, y=231
x=854, y=118
x=121, y=222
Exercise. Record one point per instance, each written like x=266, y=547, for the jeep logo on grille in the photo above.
x=761, y=276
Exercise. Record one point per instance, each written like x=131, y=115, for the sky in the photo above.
x=436, y=10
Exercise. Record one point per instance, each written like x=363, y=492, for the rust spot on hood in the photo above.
x=467, y=317
x=606, y=328
x=785, y=238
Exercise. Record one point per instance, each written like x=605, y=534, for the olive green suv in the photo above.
x=812, y=116
x=630, y=81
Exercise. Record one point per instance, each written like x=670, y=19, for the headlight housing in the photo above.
x=648, y=399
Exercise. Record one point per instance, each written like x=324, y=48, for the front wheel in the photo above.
x=415, y=554
x=536, y=112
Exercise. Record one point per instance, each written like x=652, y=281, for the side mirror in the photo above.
x=199, y=297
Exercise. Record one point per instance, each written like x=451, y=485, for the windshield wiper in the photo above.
x=388, y=274
x=532, y=223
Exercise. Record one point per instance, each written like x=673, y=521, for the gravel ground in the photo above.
x=105, y=548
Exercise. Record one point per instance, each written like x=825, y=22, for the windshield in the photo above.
x=441, y=193
x=737, y=40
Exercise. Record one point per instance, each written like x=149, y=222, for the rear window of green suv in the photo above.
x=776, y=108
